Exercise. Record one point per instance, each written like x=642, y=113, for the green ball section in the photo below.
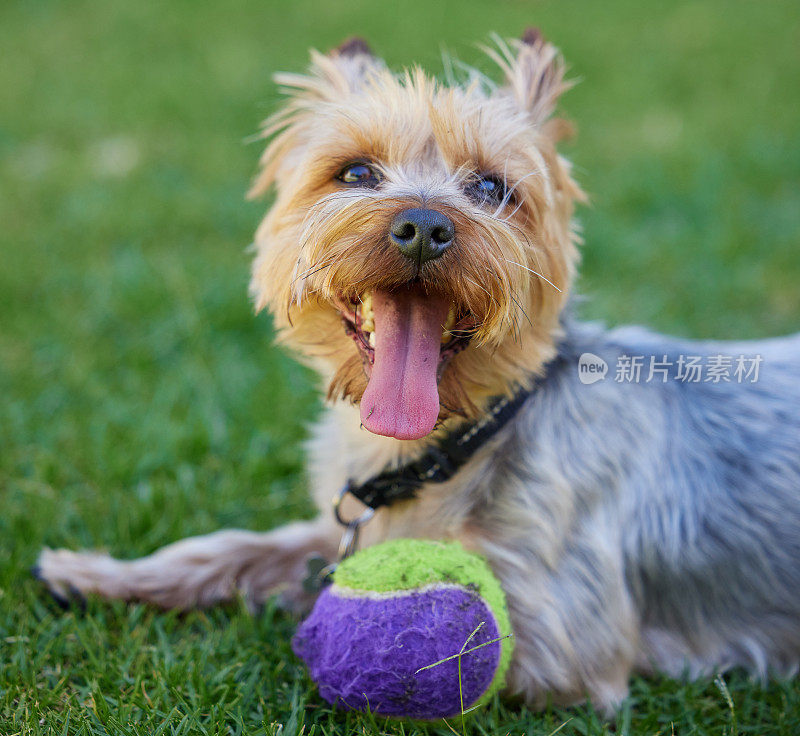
x=406, y=564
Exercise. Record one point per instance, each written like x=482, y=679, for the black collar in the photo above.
x=441, y=461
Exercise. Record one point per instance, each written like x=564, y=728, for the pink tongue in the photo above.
x=402, y=397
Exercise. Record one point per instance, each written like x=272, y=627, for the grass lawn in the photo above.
x=141, y=401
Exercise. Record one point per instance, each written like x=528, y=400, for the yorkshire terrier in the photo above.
x=419, y=255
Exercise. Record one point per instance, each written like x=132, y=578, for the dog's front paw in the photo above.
x=71, y=576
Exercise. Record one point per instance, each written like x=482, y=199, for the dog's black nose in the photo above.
x=421, y=234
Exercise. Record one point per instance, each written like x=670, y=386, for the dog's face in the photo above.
x=420, y=247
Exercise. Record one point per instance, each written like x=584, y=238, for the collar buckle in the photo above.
x=352, y=527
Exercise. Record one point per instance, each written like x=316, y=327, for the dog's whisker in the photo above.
x=311, y=270
x=535, y=273
x=316, y=268
x=521, y=308
x=336, y=262
x=511, y=215
x=509, y=194
x=533, y=249
x=467, y=278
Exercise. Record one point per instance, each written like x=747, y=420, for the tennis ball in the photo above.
x=394, y=610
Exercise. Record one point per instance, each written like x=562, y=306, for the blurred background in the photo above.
x=141, y=400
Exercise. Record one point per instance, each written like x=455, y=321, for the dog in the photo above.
x=639, y=500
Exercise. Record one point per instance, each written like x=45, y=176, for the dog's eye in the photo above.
x=359, y=174
x=487, y=189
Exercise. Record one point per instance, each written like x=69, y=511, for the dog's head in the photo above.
x=420, y=246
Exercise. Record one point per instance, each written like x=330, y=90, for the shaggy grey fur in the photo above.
x=702, y=482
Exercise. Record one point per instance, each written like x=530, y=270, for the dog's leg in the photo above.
x=198, y=571
x=574, y=623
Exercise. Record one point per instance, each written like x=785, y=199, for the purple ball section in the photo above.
x=363, y=652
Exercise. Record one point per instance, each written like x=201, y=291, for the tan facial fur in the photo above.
x=511, y=263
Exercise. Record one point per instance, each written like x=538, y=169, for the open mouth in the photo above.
x=406, y=338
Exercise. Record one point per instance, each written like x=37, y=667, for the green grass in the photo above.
x=142, y=401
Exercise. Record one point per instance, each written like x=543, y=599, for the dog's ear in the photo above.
x=354, y=59
x=534, y=73
x=353, y=46
x=334, y=75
